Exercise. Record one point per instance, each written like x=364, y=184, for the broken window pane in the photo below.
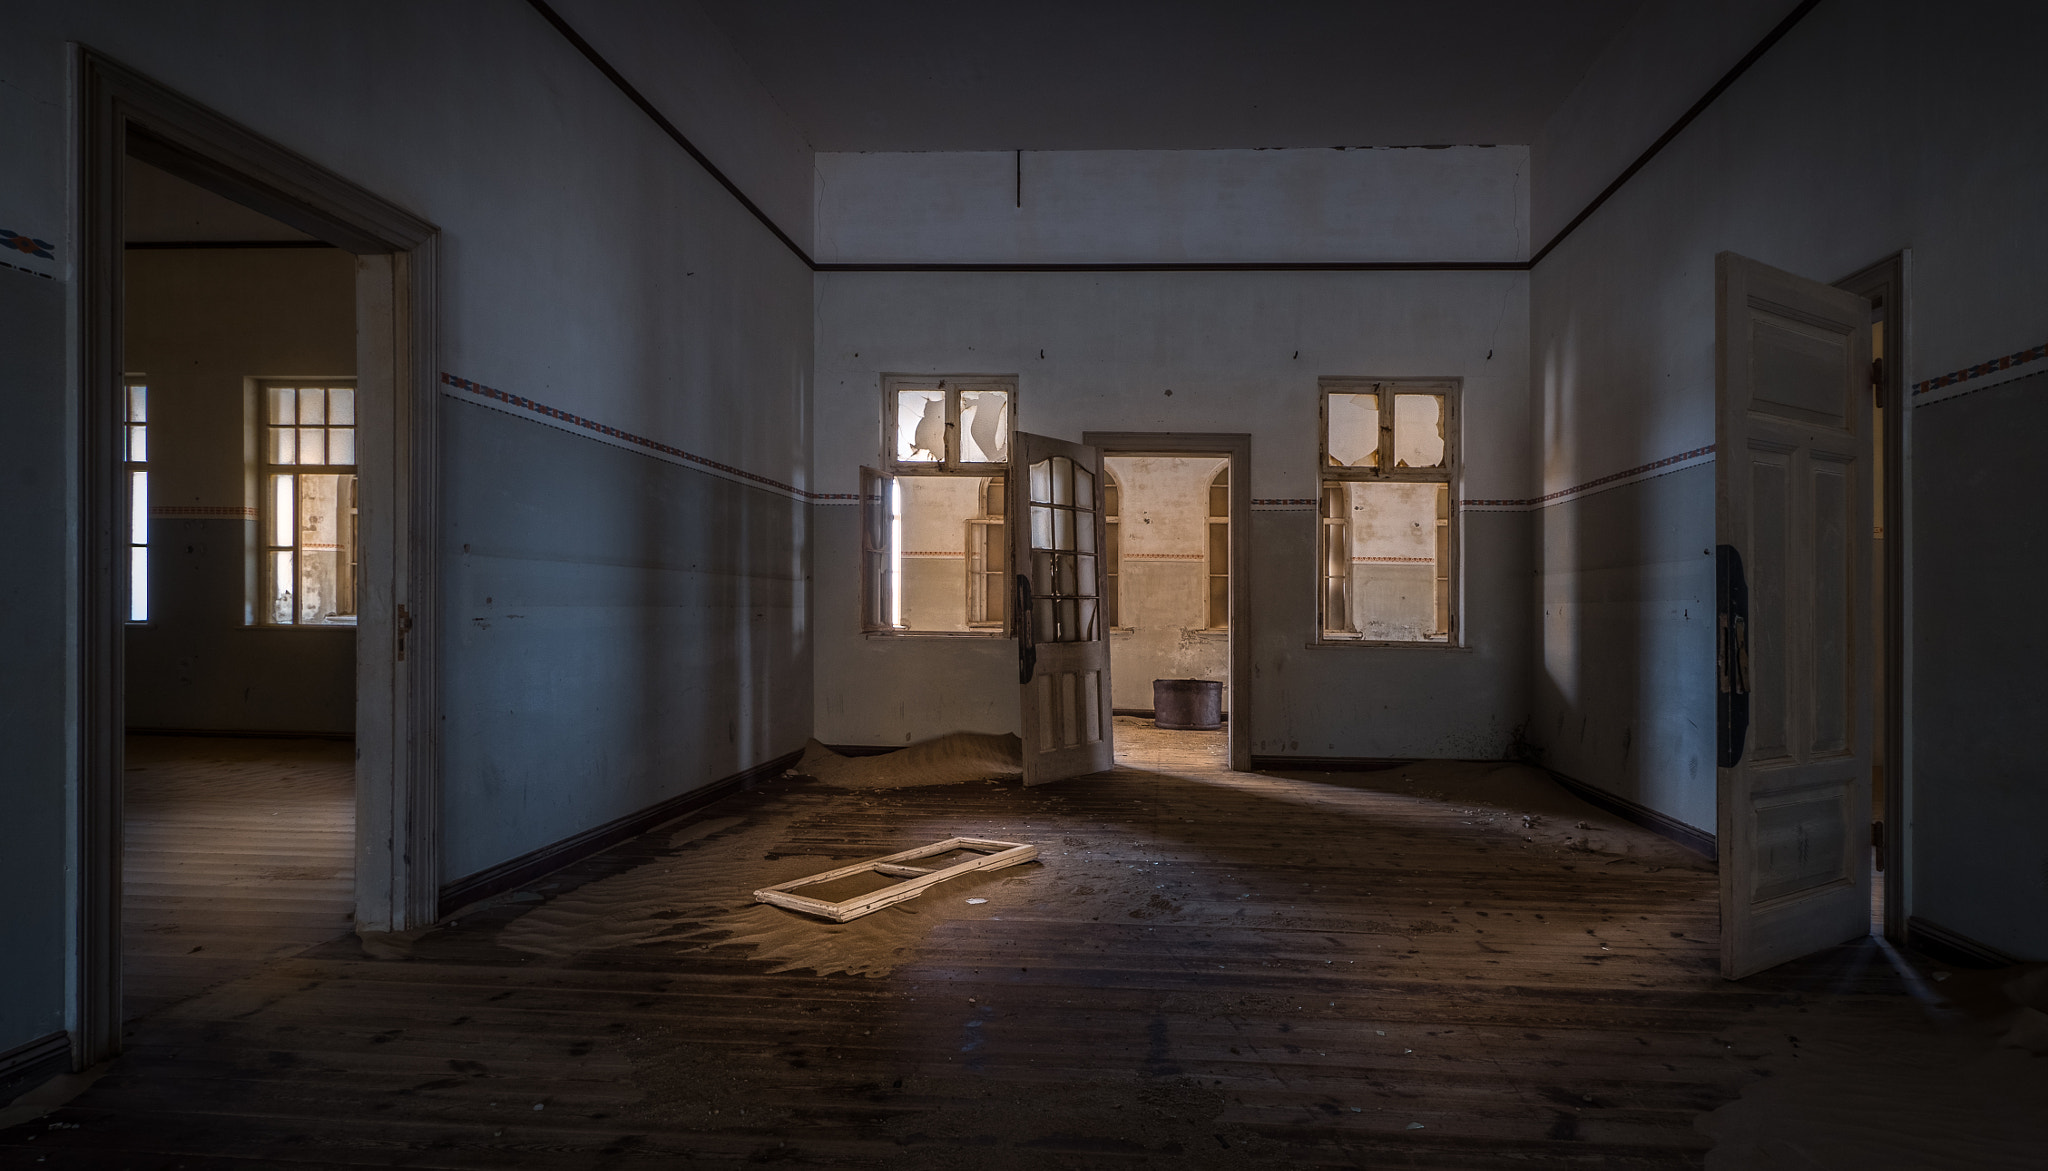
x=1418, y=431
x=984, y=426
x=1392, y=561
x=1354, y=421
x=920, y=426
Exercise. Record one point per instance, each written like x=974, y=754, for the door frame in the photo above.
x=1238, y=447
x=1884, y=284
x=123, y=113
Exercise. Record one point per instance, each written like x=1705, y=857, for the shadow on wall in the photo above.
x=1623, y=696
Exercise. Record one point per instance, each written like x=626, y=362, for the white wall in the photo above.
x=1851, y=140
x=1240, y=352
x=586, y=262
x=1465, y=203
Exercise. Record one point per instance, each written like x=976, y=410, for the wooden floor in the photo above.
x=1431, y=966
x=238, y=851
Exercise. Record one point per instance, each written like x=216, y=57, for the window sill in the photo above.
x=988, y=635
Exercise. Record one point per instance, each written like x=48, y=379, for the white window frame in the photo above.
x=134, y=428
x=881, y=569
x=1213, y=567
x=267, y=521
x=1332, y=477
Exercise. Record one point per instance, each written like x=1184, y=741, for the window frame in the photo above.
x=1213, y=566
x=263, y=612
x=133, y=426
x=1449, y=474
x=953, y=386
x=881, y=570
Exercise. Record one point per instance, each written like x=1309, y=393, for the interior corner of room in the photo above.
x=494, y=490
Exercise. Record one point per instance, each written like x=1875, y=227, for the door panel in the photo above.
x=1793, y=500
x=1063, y=647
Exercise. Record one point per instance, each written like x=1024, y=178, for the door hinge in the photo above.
x=1877, y=844
x=401, y=627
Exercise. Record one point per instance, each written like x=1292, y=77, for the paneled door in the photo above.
x=1062, y=636
x=1792, y=516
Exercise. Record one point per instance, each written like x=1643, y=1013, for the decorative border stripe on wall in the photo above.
x=201, y=512
x=1162, y=556
x=1981, y=370
x=469, y=391
x=1613, y=479
x=1393, y=560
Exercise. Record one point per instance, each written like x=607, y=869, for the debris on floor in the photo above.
x=953, y=759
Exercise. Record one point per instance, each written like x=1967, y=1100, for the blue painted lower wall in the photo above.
x=1979, y=798
x=617, y=630
x=1623, y=690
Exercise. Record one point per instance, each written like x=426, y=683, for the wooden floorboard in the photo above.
x=1388, y=969
x=236, y=853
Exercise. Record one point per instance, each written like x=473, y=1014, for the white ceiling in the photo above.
x=1167, y=74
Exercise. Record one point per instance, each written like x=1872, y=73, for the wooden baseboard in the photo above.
x=1692, y=838
x=1324, y=764
x=1953, y=947
x=866, y=749
x=517, y=872
x=24, y=1067
x=241, y=734
x=1146, y=713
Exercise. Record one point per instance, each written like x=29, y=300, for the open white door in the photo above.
x=1062, y=644
x=1792, y=516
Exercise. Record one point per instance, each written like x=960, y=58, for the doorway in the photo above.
x=385, y=260
x=1176, y=591
x=239, y=690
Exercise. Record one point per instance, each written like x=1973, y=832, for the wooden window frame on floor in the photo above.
x=994, y=856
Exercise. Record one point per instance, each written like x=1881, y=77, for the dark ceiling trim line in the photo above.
x=1200, y=266
x=667, y=127
x=1686, y=119
x=166, y=245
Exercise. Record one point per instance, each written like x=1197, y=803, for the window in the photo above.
x=135, y=453
x=935, y=548
x=1219, y=550
x=987, y=552
x=1112, y=511
x=308, y=570
x=1390, y=459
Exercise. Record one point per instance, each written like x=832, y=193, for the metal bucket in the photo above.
x=1187, y=705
